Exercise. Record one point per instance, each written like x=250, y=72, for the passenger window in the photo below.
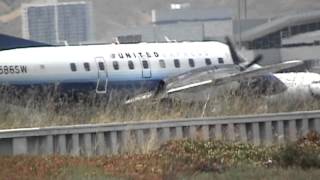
x=191, y=62
x=162, y=63
x=73, y=67
x=130, y=65
x=176, y=63
x=101, y=66
x=86, y=66
x=220, y=60
x=115, y=65
x=208, y=61
x=145, y=64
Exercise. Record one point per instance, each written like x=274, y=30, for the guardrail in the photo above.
x=101, y=139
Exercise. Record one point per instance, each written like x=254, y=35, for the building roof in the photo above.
x=189, y=14
x=280, y=23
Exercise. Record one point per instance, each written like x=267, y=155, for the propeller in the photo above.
x=256, y=60
x=237, y=59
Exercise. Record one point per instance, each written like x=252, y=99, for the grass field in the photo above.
x=31, y=109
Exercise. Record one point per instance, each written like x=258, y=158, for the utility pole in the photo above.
x=245, y=9
x=239, y=23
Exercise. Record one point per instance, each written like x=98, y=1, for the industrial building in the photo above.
x=295, y=36
x=184, y=24
x=58, y=22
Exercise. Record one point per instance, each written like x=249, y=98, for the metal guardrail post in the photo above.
x=75, y=145
x=19, y=146
x=256, y=133
x=268, y=133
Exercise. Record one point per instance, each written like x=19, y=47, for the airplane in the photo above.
x=146, y=70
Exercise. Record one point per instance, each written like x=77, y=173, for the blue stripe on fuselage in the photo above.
x=83, y=86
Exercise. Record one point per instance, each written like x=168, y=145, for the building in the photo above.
x=295, y=36
x=183, y=23
x=272, y=33
x=58, y=23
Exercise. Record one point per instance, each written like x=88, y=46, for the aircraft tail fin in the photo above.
x=9, y=42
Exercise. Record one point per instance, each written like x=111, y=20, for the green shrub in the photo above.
x=304, y=153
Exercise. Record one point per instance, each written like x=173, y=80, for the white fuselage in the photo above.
x=122, y=64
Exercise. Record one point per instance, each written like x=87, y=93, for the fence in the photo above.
x=101, y=139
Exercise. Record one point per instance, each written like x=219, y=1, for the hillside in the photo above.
x=112, y=15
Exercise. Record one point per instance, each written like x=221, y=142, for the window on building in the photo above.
x=208, y=61
x=101, y=66
x=162, y=64
x=176, y=63
x=73, y=67
x=130, y=65
x=220, y=60
x=191, y=62
x=86, y=66
x=115, y=65
x=145, y=64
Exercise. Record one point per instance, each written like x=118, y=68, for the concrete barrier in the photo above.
x=115, y=138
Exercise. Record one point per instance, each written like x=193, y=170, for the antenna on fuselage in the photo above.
x=168, y=39
x=65, y=43
x=115, y=40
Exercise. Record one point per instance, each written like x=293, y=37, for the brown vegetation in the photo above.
x=172, y=160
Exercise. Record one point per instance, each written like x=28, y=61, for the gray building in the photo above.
x=295, y=36
x=184, y=24
x=272, y=33
x=58, y=23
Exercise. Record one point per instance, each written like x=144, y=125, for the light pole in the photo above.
x=239, y=23
x=245, y=8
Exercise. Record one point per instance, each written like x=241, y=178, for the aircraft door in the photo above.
x=102, y=79
x=146, y=69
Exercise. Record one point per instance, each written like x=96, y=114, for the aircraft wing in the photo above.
x=234, y=77
x=210, y=76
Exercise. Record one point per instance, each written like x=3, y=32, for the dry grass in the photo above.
x=180, y=159
x=34, y=109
